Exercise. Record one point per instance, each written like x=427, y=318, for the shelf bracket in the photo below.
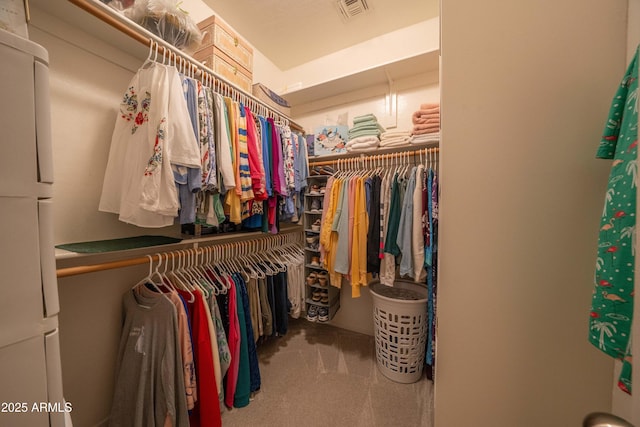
x=390, y=119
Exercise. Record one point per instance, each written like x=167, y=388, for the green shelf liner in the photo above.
x=118, y=244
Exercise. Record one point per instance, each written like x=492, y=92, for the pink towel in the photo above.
x=425, y=121
x=420, y=114
x=426, y=127
x=429, y=106
x=425, y=131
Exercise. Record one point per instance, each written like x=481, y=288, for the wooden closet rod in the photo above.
x=136, y=32
x=260, y=243
x=426, y=151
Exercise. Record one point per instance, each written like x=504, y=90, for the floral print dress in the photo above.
x=612, y=303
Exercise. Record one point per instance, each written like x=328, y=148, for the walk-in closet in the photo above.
x=341, y=212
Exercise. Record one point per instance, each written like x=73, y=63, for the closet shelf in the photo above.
x=67, y=261
x=381, y=76
x=376, y=152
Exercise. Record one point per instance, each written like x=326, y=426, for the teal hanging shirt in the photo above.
x=612, y=304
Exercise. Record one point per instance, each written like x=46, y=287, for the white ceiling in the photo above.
x=293, y=32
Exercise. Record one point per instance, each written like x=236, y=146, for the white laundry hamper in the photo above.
x=400, y=324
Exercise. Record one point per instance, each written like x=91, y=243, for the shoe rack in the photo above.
x=322, y=299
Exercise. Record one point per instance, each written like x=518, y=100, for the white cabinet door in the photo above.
x=23, y=375
x=21, y=299
x=26, y=161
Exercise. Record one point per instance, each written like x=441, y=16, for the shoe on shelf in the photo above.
x=315, y=206
x=315, y=190
x=322, y=314
x=315, y=261
x=312, y=313
x=323, y=278
x=312, y=239
x=316, y=225
x=322, y=189
x=312, y=279
x=316, y=296
x=324, y=297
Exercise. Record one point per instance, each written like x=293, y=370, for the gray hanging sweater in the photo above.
x=149, y=389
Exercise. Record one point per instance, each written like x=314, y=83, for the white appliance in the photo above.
x=30, y=369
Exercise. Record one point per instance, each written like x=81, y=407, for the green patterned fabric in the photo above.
x=118, y=244
x=612, y=303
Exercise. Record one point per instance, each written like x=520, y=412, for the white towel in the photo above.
x=395, y=134
x=368, y=139
x=428, y=137
x=394, y=143
x=363, y=146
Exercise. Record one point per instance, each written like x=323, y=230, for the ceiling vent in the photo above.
x=352, y=8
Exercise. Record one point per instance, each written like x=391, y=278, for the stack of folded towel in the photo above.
x=426, y=124
x=363, y=143
x=366, y=125
x=396, y=138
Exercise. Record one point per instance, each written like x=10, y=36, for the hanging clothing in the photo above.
x=254, y=368
x=233, y=336
x=256, y=162
x=395, y=211
x=417, y=237
x=189, y=180
x=207, y=409
x=341, y=228
x=359, y=276
x=149, y=387
x=184, y=338
x=233, y=202
x=224, y=149
x=152, y=132
x=430, y=261
x=373, y=232
x=243, y=383
x=405, y=228
x=611, y=313
x=207, y=138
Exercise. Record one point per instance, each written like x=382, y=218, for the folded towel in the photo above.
x=422, y=114
x=395, y=143
x=431, y=126
x=425, y=131
x=367, y=146
x=429, y=106
x=426, y=121
x=425, y=138
x=363, y=140
x=361, y=150
x=373, y=143
x=395, y=134
x=365, y=118
x=367, y=126
x=391, y=141
x=366, y=132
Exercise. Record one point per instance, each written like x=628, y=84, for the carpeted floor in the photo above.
x=320, y=375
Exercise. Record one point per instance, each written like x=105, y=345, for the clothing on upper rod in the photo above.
x=380, y=219
x=211, y=307
x=179, y=148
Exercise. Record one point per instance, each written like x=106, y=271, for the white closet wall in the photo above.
x=526, y=88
